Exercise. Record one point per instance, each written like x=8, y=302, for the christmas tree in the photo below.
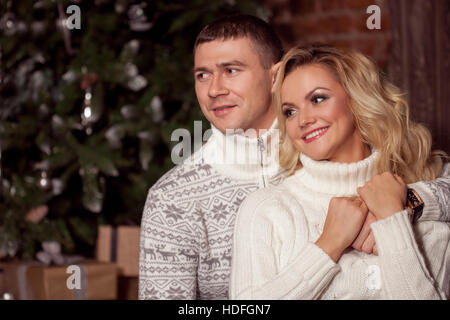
x=87, y=110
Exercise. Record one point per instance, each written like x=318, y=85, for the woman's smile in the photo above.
x=314, y=134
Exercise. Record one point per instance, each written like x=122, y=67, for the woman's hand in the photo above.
x=365, y=241
x=384, y=195
x=343, y=223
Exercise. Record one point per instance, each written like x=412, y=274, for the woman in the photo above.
x=343, y=129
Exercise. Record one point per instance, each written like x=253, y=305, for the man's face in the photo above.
x=232, y=87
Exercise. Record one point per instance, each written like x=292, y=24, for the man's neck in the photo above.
x=261, y=126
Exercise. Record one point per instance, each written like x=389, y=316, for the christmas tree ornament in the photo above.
x=157, y=109
x=138, y=19
x=8, y=245
x=51, y=253
x=129, y=112
x=114, y=136
x=88, y=80
x=131, y=70
x=44, y=182
x=146, y=152
x=10, y=26
x=37, y=28
x=130, y=50
x=44, y=257
x=86, y=112
x=58, y=186
x=119, y=7
x=89, y=114
x=70, y=76
x=137, y=83
x=35, y=215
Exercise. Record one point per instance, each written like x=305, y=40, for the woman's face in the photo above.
x=318, y=119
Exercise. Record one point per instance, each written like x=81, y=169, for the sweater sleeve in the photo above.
x=164, y=273
x=272, y=257
x=436, y=197
x=410, y=268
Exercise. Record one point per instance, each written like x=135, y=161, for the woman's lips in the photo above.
x=219, y=111
x=315, y=134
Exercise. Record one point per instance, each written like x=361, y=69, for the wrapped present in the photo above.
x=128, y=288
x=2, y=278
x=89, y=280
x=120, y=245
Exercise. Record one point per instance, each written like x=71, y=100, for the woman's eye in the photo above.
x=318, y=99
x=288, y=113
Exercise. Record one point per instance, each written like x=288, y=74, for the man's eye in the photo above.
x=288, y=113
x=232, y=70
x=201, y=76
x=318, y=99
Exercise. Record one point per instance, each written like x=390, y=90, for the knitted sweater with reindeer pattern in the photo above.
x=189, y=215
x=188, y=219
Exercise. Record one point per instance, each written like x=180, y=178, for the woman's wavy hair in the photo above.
x=380, y=113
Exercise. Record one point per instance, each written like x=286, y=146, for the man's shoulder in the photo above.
x=181, y=175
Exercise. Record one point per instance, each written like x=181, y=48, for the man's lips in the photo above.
x=314, y=134
x=222, y=109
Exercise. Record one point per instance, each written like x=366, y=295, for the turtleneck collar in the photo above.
x=341, y=179
x=242, y=157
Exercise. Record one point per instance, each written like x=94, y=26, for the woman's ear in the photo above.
x=274, y=70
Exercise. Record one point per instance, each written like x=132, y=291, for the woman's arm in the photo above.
x=413, y=269
x=272, y=258
x=408, y=272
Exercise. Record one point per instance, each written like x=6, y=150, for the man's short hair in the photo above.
x=266, y=42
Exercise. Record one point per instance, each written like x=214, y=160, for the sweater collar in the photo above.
x=242, y=157
x=341, y=179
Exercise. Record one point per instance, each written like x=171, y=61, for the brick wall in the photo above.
x=337, y=22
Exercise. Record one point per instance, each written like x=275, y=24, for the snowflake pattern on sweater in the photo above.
x=187, y=228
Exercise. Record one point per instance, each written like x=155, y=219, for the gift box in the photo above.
x=121, y=246
x=2, y=278
x=88, y=280
x=128, y=288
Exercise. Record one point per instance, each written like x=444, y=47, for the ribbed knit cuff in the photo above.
x=431, y=210
x=316, y=264
x=305, y=278
x=393, y=234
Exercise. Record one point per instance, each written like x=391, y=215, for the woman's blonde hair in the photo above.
x=380, y=113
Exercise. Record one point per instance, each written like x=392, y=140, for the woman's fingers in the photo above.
x=361, y=238
x=369, y=244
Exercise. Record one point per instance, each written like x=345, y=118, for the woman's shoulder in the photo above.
x=270, y=194
x=269, y=202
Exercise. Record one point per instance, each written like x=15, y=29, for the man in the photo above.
x=188, y=220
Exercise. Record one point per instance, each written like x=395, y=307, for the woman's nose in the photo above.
x=306, y=118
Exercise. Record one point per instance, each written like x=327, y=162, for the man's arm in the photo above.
x=436, y=197
x=167, y=259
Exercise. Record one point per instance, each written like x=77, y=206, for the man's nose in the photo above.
x=217, y=87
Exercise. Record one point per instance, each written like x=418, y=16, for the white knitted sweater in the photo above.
x=274, y=255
